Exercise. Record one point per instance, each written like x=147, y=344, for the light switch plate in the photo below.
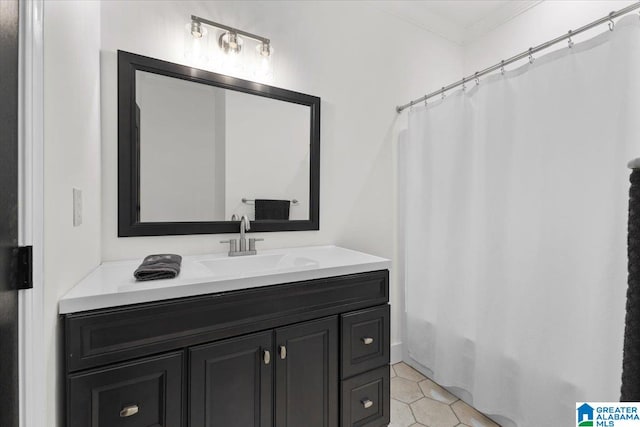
x=77, y=207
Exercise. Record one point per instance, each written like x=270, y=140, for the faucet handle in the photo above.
x=233, y=244
x=252, y=243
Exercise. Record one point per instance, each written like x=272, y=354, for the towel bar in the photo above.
x=294, y=202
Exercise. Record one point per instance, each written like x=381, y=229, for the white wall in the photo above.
x=537, y=25
x=359, y=60
x=71, y=159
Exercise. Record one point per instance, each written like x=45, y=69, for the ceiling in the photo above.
x=460, y=21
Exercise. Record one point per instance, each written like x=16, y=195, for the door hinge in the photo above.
x=25, y=267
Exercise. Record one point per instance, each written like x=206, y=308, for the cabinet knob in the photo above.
x=367, y=340
x=129, y=411
x=366, y=403
x=266, y=357
x=283, y=352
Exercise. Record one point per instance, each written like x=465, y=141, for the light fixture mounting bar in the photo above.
x=195, y=18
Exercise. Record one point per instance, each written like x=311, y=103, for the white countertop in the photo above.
x=112, y=283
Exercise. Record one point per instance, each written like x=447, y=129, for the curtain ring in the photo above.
x=464, y=84
x=411, y=106
x=570, y=42
x=531, y=58
x=443, y=95
x=612, y=24
x=425, y=99
x=477, y=79
x=502, y=67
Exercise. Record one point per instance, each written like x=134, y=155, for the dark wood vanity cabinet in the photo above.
x=303, y=354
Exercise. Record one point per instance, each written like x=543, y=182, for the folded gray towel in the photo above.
x=162, y=266
x=272, y=209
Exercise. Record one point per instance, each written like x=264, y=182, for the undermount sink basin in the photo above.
x=257, y=263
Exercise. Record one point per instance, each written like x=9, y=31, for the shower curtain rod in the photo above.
x=529, y=52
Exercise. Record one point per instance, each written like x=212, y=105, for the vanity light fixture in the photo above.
x=231, y=43
x=230, y=40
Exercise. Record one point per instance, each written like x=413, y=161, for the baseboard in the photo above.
x=396, y=352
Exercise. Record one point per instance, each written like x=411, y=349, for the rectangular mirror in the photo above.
x=197, y=148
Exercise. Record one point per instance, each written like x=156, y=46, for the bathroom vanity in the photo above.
x=296, y=338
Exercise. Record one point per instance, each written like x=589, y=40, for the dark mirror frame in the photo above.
x=128, y=153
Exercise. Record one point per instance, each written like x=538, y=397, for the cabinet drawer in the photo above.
x=366, y=399
x=365, y=340
x=145, y=393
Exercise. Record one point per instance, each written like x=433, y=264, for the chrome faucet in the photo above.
x=245, y=225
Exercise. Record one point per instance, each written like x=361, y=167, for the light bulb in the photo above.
x=264, y=66
x=196, y=29
x=264, y=49
x=231, y=43
x=196, y=43
x=231, y=59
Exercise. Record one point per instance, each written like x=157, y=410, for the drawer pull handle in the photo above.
x=129, y=411
x=367, y=340
x=266, y=357
x=366, y=403
x=283, y=352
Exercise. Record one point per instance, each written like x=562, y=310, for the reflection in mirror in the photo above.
x=203, y=149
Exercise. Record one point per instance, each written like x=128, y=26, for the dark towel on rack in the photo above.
x=162, y=266
x=272, y=209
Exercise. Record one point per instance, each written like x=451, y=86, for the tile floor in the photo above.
x=417, y=401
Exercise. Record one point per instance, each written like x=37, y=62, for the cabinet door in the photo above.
x=144, y=393
x=307, y=374
x=231, y=382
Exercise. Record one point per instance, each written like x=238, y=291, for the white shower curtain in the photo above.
x=515, y=205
